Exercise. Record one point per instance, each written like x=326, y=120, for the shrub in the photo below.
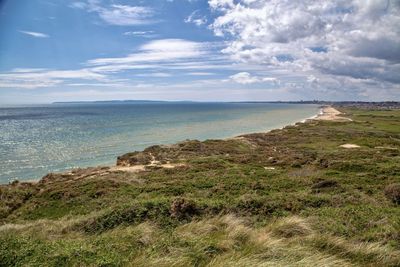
x=392, y=192
x=134, y=214
x=324, y=184
x=182, y=208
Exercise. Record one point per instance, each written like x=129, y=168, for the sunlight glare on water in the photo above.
x=42, y=139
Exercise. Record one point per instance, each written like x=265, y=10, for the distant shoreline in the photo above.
x=317, y=102
x=357, y=104
x=328, y=113
x=325, y=113
x=322, y=110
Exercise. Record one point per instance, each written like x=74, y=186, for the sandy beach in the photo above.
x=329, y=113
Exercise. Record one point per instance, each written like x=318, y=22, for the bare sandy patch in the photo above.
x=350, y=146
x=136, y=168
x=329, y=113
x=140, y=168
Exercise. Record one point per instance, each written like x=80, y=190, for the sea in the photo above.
x=36, y=140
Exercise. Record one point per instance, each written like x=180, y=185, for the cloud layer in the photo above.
x=248, y=49
x=336, y=42
x=146, y=61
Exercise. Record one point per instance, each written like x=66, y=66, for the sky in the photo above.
x=215, y=50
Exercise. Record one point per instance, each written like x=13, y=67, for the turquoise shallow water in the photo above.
x=41, y=139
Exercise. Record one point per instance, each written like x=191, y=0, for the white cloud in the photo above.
x=126, y=15
x=196, y=19
x=27, y=70
x=78, y=5
x=199, y=73
x=244, y=78
x=38, y=78
x=115, y=14
x=270, y=79
x=35, y=34
x=138, y=32
x=247, y=78
x=353, y=41
x=150, y=60
x=147, y=34
x=164, y=50
x=155, y=75
x=166, y=55
x=221, y=4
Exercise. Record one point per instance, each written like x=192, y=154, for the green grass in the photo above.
x=321, y=205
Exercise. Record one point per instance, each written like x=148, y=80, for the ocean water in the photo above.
x=50, y=138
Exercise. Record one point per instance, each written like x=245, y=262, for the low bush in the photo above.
x=392, y=192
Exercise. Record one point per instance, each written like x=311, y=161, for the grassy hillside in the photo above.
x=291, y=197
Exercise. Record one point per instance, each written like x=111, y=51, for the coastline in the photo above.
x=326, y=113
x=296, y=186
x=116, y=130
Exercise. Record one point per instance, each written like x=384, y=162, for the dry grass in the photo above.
x=392, y=192
x=225, y=240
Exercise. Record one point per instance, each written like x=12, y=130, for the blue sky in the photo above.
x=216, y=50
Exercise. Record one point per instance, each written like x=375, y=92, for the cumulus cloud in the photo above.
x=247, y=78
x=353, y=39
x=244, y=78
x=340, y=49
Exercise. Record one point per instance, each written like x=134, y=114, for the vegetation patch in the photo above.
x=289, y=197
x=392, y=192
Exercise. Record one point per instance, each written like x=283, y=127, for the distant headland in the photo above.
x=359, y=104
